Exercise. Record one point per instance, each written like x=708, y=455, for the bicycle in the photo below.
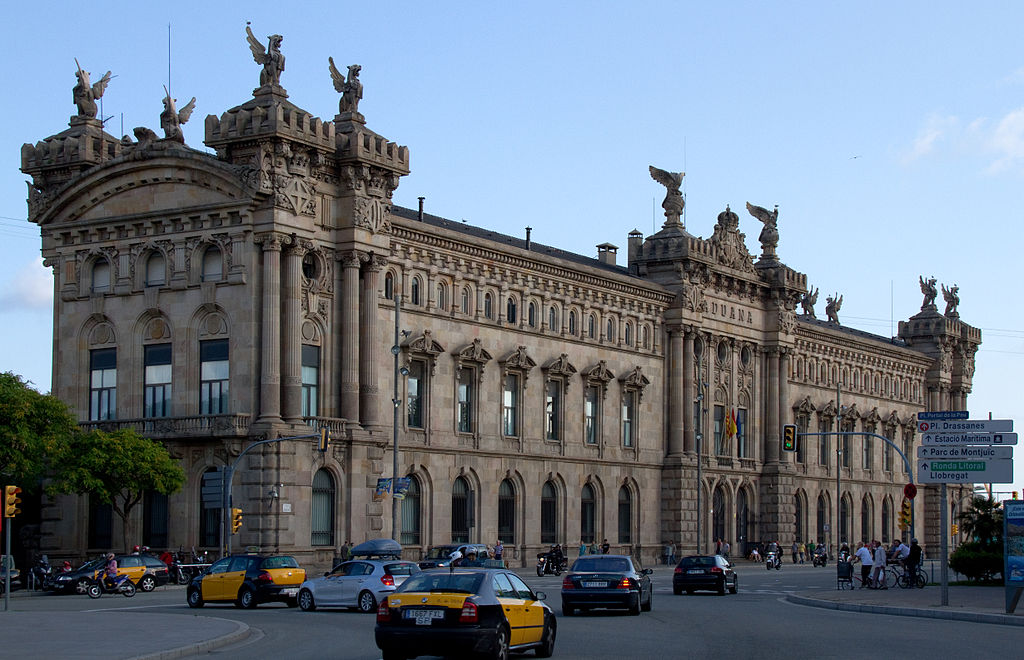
x=904, y=582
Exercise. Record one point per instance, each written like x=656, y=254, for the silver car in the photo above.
x=359, y=583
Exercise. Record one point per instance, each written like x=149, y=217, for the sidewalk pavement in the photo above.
x=975, y=604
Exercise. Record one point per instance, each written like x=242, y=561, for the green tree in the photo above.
x=118, y=468
x=980, y=558
x=34, y=428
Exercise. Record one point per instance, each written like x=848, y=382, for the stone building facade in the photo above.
x=210, y=300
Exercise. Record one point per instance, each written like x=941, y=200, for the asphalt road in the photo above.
x=755, y=623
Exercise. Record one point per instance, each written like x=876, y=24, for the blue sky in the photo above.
x=891, y=135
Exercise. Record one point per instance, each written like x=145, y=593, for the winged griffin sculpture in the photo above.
x=351, y=90
x=171, y=118
x=86, y=92
x=833, y=303
x=808, y=300
x=674, y=201
x=929, y=291
x=270, y=57
x=952, y=301
x=769, y=236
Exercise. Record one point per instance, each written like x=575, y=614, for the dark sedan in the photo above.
x=707, y=572
x=607, y=581
x=453, y=612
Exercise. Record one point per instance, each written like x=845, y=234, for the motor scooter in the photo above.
x=820, y=557
x=121, y=585
x=772, y=560
x=548, y=565
x=41, y=573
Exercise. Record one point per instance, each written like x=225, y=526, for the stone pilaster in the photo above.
x=350, y=336
x=270, y=370
x=291, y=340
x=785, y=409
x=677, y=400
x=772, y=430
x=689, y=378
x=369, y=391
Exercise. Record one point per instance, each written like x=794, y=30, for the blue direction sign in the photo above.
x=970, y=471
x=942, y=414
x=969, y=439
x=966, y=426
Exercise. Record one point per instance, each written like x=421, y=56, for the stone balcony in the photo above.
x=234, y=425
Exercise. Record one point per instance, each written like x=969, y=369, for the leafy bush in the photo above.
x=977, y=561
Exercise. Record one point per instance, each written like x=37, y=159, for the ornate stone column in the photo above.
x=689, y=379
x=772, y=430
x=675, y=394
x=785, y=408
x=369, y=392
x=291, y=339
x=270, y=370
x=350, y=335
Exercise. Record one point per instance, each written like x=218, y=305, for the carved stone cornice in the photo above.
x=518, y=360
x=560, y=367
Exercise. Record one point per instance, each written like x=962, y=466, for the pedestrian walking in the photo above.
x=666, y=554
x=672, y=552
x=800, y=549
x=795, y=550
x=878, y=567
x=605, y=547
x=864, y=556
x=725, y=548
x=583, y=548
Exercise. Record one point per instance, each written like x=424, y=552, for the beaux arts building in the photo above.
x=210, y=300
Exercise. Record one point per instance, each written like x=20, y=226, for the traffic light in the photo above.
x=325, y=439
x=1014, y=494
x=789, y=437
x=956, y=529
x=236, y=520
x=11, y=501
x=906, y=513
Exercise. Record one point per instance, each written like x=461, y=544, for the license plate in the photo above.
x=695, y=571
x=290, y=592
x=424, y=617
x=595, y=585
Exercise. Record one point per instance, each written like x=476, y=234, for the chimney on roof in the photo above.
x=528, y=230
x=420, y=216
x=606, y=253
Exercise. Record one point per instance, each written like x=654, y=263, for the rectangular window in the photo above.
x=823, y=452
x=628, y=414
x=887, y=456
x=553, y=409
x=742, y=448
x=310, y=381
x=590, y=412
x=801, y=443
x=157, y=387
x=415, y=384
x=103, y=384
x=213, y=377
x=866, y=451
x=465, y=386
x=719, y=429
x=510, y=406
x=847, y=427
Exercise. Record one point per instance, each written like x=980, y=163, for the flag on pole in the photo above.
x=730, y=424
x=737, y=423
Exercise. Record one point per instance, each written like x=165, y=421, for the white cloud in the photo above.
x=998, y=142
x=935, y=130
x=1007, y=141
x=30, y=288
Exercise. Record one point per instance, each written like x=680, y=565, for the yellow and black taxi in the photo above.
x=482, y=611
x=247, y=581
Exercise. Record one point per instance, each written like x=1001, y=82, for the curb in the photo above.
x=241, y=632
x=949, y=615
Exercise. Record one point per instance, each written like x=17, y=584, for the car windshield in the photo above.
x=280, y=562
x=439, y=553
x=689, y=562
x=601, y=565
x=468, y=583
x=94, y=564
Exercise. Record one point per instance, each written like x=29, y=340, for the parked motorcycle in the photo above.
x=820, y=557
x=121, y=585
x=41, y=574
x=547, y=564
x=773, y=560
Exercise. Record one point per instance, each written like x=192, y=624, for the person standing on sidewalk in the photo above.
x=878, y=567
x=672, y=552
x=795, y=550
x=913, y=561
x=865, y=558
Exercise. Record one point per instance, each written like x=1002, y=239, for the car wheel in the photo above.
x=721, y=587
x=367, y=603
x=547, y=642
x=634, y=608
x=568, y=610
x=646, y=607
x=677, y=590
x=147, y=583
x=194, y=598
x=82, y=586
x=735, y=585
x=306, y=602
x=246, y=599
x=501, y=644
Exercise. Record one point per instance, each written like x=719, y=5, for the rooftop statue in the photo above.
x=171, y=118
x=833, y=303
x=270, y=57
x=769, y=233
x=86, y=93
x=351, y=90
x=808, y=300
x=929, y=291
x=952, y=301
x=674, y=201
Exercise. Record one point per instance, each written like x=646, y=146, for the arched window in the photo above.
x=510, y=310
x=156, y=270
x=801, y=517
x=572, y=323
x=411, y=513
x=625, y=516
x=609, y=333
x=718, y=513
x=442, y=296
x=100, y=276
x=213, y=265
x=866, y=532
x=588, y=517
x=845, y=526
x=322, y=509
x=822, y=521
x=389, y=286
x=462, y=510
x=591, y=326
x=506, y=512
x=465, y=300
x=743, y=521
x=645, y=337
x=414, y=291
x=548, y=514
x=553, y=324
x=628, y=334
x=531, y=315
x=487, y=305
x=887, y=531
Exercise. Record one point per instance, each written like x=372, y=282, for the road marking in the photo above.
x=122, y=609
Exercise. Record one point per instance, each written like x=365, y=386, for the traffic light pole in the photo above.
x=225, y=538
x=7, y=567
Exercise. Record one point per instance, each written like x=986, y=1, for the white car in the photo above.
x=359, y=583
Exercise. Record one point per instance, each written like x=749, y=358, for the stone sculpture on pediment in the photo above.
x=518, y=359
x=635, y=379
x=474, y=353
x=560, y=366
x=952, y=299
x=599, y=373
x=270, y=57
x=769, y=236
x=674, y=201
x=832, y=306
x=929, y=291
x=351, y=89
x=805, y=407
x=731, y=242
x=86, y=92
x=171, y=118
x=808, y=300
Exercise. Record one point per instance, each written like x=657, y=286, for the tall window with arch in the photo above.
x=465, y=392
x=506, y=512
x=629, y=398
x=213, y=377
x=462, y=510
x=157, y=377
x=411, y=513
x=591, y=414
x=627, y=334
x=213, y=265
x=488, y=305
x=553, y=324
x=389, y=285
x=322, y=509
x=414, y=291
x=548, y=513
x=588, y=514
x=209, y=519
x=531, y=315
x=822, y=518
x=553, y=409
x=510, y=406
x=416, y=388
x=625, y=515
x=609, y=333
x=103, y=384
x=310, y=380
x=464, y=306
x=645, y=337
x=510, y=310
x=801, y=517
x=442, y=296
x=591, y=326
x=572, y=323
